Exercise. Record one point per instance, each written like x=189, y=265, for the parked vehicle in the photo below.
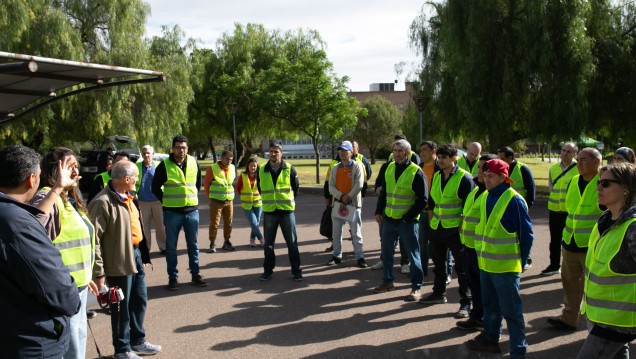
x=89, y=159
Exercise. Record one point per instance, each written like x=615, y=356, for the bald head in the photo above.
x=474, y=151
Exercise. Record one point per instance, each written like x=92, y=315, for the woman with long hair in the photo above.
x=610, y=282
x=70, y=231
x=251, y=199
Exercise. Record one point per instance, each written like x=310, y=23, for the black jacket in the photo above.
x=38, y=293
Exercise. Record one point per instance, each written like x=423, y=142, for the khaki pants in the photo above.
x=217, y=210
x=572, y=278
x=153, y=212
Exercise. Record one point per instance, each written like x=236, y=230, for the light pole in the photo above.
x=421, y=102
x=233, y=107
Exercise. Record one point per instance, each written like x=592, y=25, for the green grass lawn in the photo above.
x=307, y=173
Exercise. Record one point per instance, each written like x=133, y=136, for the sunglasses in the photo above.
x=606, y=182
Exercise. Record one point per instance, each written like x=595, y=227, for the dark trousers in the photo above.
x=438, y=248
x=556, y=222
x=128, y=322
x=287, y=223
x=474, y=283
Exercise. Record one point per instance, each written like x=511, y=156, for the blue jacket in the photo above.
x=38, y=293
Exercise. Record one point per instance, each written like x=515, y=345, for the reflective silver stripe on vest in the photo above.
x=471, y=219
x=398, y=206
x=218, y=192
x=279, y=202
x=581, y=217
x=398, y=196
x=468, y=233
x=72, y=244
x=607, y=304
x=179, y=196
x=79, y=266
x=583, y=231
x=449, y=205
x=175, y=185
x=614, y=280
x=495, y=241
x=500, y=257
x=267, y=191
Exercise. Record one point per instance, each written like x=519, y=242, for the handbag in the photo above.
x=344, y=212
x=325, y=223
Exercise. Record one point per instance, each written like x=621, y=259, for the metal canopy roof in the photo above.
x=30, y=82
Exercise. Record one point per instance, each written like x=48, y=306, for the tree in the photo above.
x=378, y=127
x=302, y=89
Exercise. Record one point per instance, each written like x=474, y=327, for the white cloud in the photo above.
x=364, y=38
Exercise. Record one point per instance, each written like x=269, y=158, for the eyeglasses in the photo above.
x=606, y=182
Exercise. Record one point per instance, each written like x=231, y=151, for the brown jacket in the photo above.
x=113, y=235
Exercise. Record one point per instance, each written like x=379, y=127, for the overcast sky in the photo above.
x=365, y=39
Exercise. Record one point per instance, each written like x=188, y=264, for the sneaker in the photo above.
x=197, y=280
x=527, y=266
x=480, y=343
x=405, y=269
x=551, y=270
x=173, y=284
x=333, y=261
x=212, y=249
x=378, y=265
x=146, y=348
x=384, y=287
x=463, y=312
x=126, y=355
x=434, y=298
x=329, y=249
x=558, y=323
x=90, y=314
x=470, y=324
x=449, y=279
x=252, y=242
x=362, y=263
x=266, y=276
x=298, y=277
x=227, y=245
x=414, y=296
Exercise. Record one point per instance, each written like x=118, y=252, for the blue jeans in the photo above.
x=287, y=223
x=173, y=222
x=501, y=299
x=77, y=328
x=407, y=233
x=127, y=319
x=254, y=219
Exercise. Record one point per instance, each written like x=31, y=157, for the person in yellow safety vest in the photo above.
x=151, y=207
x=610, y=280
x=100, y=180
x=251, y=201
x=469, y=161
x=70, y=231
x=413, y=157
x=523, y=181
x=471, y=216
x=503, y=241
x=402, y=198
x=218, y=185
x=176, y=184
x=450, y=187
x=581, y=202
x=559, y=178
x=278, y=185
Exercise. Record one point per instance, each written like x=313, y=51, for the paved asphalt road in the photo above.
x=333, y=313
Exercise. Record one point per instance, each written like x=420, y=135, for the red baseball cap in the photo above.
x=498, y=167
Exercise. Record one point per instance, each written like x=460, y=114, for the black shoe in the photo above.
x=434, y=298
x=480, y=343
x=298, y=277
x=173, y=284
x=558, y=323
x=362, y=263
x=227, y=245
x=197, y=280
x=266, y=276
x=470, y=324
x=551, y=270
x=90, y=314
x=329, y=249
x=333, y=261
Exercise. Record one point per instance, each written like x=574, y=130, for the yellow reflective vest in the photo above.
x=556, y=201
x=250, y=197
x=141, y=173
x=609, y=297
x=105, y=176
x=279, y=196
x=498, y=250
x=583, y=212
x=180, y=189
x=462, y=162
x=221, y=187
x=448, y=205
x=399, y=195
x=518, y=178
x=471, y=213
